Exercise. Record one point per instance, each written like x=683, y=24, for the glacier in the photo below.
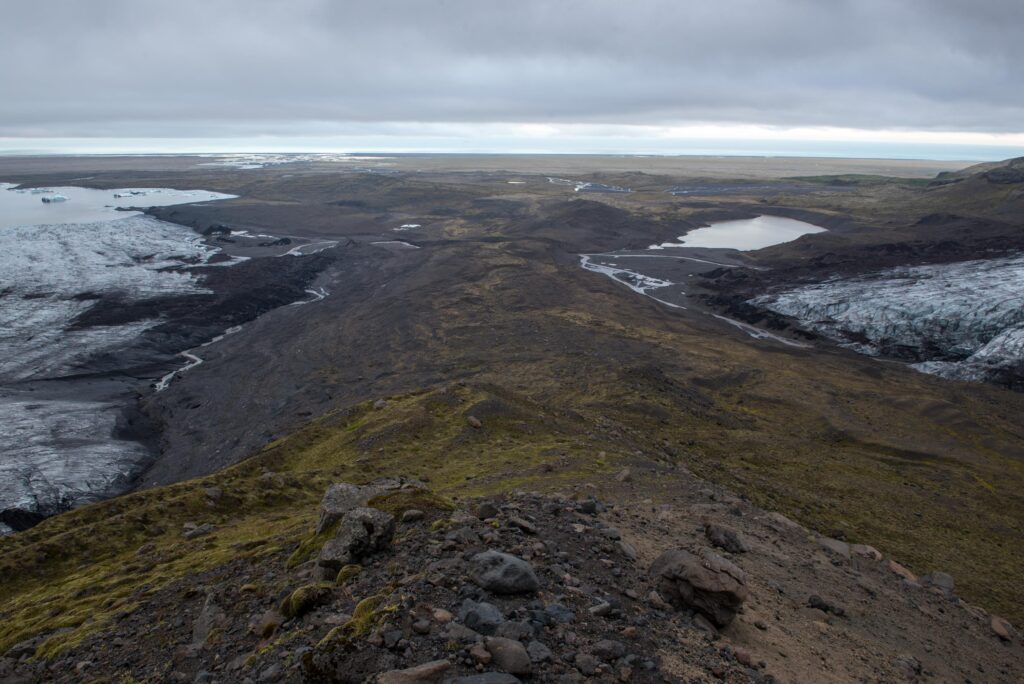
x=50, y=274
x=962, y=320
x=60, y=445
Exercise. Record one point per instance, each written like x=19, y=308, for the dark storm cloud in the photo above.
x=226, y=67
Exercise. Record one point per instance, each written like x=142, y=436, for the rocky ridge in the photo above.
x=396, y=584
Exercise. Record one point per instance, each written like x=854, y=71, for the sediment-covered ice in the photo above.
x=58, y=453
x=963, y=320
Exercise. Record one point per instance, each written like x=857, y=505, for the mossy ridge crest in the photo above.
x=275, y=495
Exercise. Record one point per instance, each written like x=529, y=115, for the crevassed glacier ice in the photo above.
x=58, y=445
x=58, y=453
x=963, y=320
x=46, y=272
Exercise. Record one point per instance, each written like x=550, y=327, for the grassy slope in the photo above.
x=833, y=460
x=80, y=570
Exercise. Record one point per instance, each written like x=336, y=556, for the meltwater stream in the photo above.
x=58, y=447
x=660, y=271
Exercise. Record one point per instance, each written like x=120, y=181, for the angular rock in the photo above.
x=821, y=604
x=523, y=524
x=463, y=535
x=1001, y=628
x=626, y=549
x=480, y=654
x=726, y=538
x=503, y=573
x=363, y=531
x=865, y=551
x=518, y=630
x=609, y=649
x=707, y=583
x=898, y=569
x=560, y=614
x=783, y=523
x=199, y=531
x=704, y=625
x=835, y=546
x=210, y=618
x=461, y=634
x=272, y=673
x=942, y=581
x=508, y=655
x=587, y=664
x=24, y=648
x=908, y=664
x=485, y=678
x=427, y=673
x=342, y=497
x=744, y=657
x=339, y=499
x=487, y=510
x=480, y=617
x=539, y=653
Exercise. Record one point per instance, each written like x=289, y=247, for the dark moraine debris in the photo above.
x=19, y=519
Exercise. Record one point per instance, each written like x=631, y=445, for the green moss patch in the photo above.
x=305, y=599
x=397, y=503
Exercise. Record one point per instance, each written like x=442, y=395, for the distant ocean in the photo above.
x=601, y=145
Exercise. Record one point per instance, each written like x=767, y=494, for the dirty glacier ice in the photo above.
x=961, y=320
x=58, y=446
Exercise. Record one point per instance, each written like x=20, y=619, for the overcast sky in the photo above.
x=480, y=74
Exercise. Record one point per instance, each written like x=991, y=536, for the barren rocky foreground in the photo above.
x=691, y=503
x=622, y=580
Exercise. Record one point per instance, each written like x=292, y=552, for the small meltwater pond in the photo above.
x=662, y=271
x=745, y=234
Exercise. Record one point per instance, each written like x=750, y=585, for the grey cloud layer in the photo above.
x=140, y=67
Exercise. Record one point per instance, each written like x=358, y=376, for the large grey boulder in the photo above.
x=362, y=532
x=503, y=573
x=706, y=583
x=339, y=499
x=342, y=497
